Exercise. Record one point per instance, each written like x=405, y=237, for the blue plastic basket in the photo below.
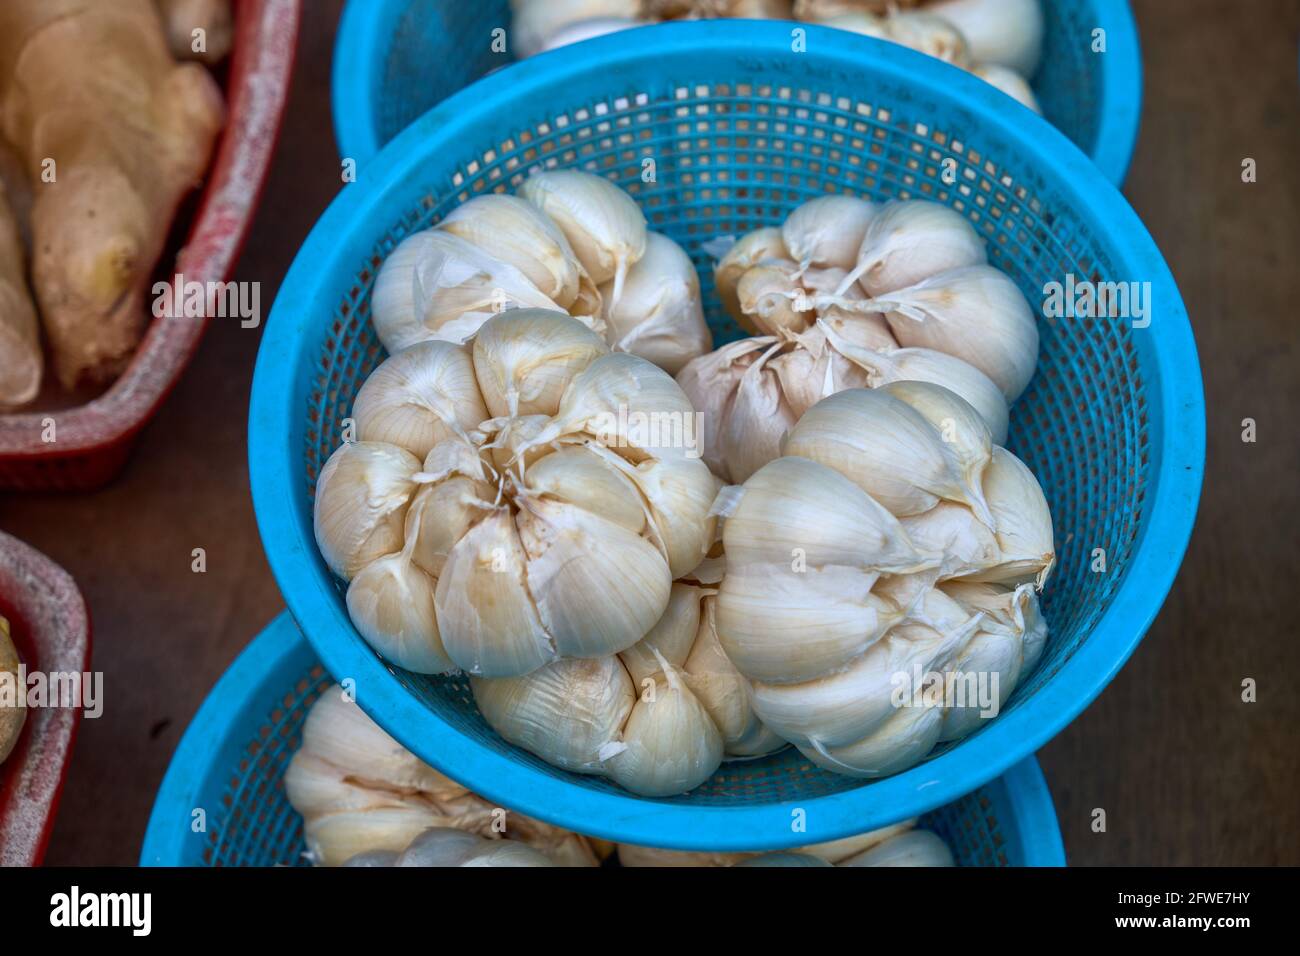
x=395, y=59
x=742, y=131
x=231, y=762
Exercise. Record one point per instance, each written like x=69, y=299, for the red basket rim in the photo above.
x=261, y=67
x=51, y=625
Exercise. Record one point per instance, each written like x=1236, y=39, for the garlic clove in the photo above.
x=440, y=846
x=831, y=609
x=362, y=494
x=990, y=653
x=914, y=848
x=975, y=313
x=838, y=851
x=885, y=447
x=524, y=360
x=827, y=231
x=1022, y=522
x=598, y=588
x=418, y=397
x=671, y=744
x=795, y=511
x=566, y=712
x=901, y=742
x=670, y=640
x=1009, y=82
x=435, y=285
x=314, y=785
x=967, y=544
x=506, y=853
x=757, y=420
x=909, y=241
x=519, y=234
x=580, y=476
x=709, y=383
x=772, y=300
x=759, y=246
x=659, y=315
x=373, y=858
x=390, y=602
x=603, y=223
x=440, y=516
x=489, y=622
x=334, y=838
x=862, y=22
x=1006, y=32
x=1013, y=608
x=960, y=427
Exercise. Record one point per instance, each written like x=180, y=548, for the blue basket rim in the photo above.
x=290, y=542
x=366, y=26
x=259, y=669
x=239, y=688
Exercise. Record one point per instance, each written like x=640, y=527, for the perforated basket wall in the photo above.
x=740, y=131
x=232, y=759
x=395, y=59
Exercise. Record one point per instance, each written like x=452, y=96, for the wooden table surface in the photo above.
x=1186, y=772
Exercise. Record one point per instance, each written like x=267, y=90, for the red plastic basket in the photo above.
x=51, y=628
x=95, y=439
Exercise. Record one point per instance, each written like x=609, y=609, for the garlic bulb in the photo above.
x=659, y=315
x=603, y=224
x=852, y=597
x=827, y=231
x=361, y=792
x=657, y=719
x=1009, y=82
x=437, y=286
x=975, y=313
x=910, y=241
x=537, y=21
x=1006, y=32
x=550, y=528
x=895, y=845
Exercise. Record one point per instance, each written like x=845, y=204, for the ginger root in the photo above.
x=113, y=133
x=20, y=346
x=183, y=17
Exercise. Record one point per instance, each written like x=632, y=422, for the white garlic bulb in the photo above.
x=659, y=315
x=975, y=313
x=1006, y=32
x=603, y=224
x=656, y=719
x=1009, y=82
x=437, y=286
x=827, y=231
x=361, y=792
x=829, y=602
x=912, y=240
x=536, y=22
x=550, y=528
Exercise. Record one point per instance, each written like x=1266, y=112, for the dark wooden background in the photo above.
x=1186, y=772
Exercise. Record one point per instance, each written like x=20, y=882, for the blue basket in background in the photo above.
x=231, y=762
x=741, y=132
x=395, y=59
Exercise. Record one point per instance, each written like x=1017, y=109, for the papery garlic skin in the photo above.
x=754, y=248
x=829, y=603
x=911, y=240
x=660, y=315
x=1005, y=32
x=551, y=527
x=656, y=719
x=361, y=792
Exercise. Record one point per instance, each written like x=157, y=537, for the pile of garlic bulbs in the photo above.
x=881, y=577
x=897, y=845
x=524, y=498
x=569, y=242
x=848, y=294
x=1000, y=41
x=365, y=798
x=656, y=719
